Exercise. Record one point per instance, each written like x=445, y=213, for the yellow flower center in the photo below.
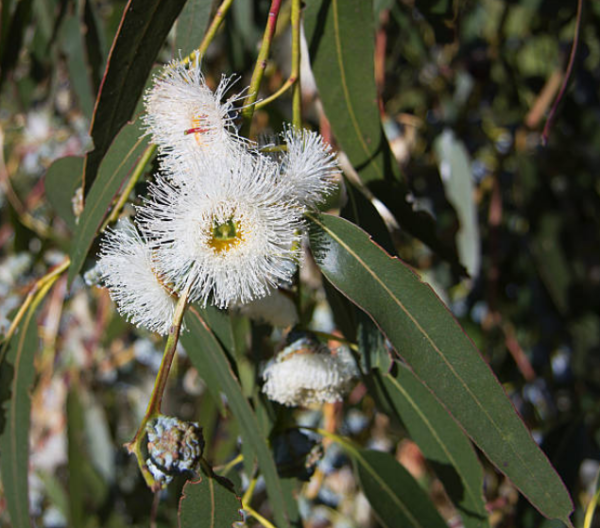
x=226, y=236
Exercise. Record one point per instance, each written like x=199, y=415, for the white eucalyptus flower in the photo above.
x=185, y=117
x=127, y=269
x=309, y=166
x=231, y=229
x=307, y=373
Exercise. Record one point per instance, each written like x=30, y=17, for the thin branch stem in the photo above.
x=346, y=443
x=591, y=507
x=563, y=88
x=137, y=173
x=253, y=513
x=294, y=78
x=261, y=63
x=249, y=492
x=154, y=405
x=296, y=56
x=210, y=32
x=39, y=286
x=284, y=88
x=230, y=465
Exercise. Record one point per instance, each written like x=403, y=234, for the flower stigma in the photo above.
x=225, y=236
x=197, y=129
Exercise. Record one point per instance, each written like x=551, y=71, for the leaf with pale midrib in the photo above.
x=208, y=503
x=427, y=336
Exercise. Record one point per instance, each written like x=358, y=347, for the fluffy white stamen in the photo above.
x=306, y=373
x=309, y=165
x=185, y=117
x=231, y=229
x=127, y=269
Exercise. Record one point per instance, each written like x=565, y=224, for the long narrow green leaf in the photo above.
x=426, y=335
x=143, y=29
x=441, y=441
x=191, y=26
x=75, y=451
x=125, y=151
x=457, y=177
x=341, y=36
x=204, y=349
x=395, y=496
x=16, y=377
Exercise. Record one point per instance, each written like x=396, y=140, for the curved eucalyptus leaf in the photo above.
x=457, y=177
x=209, y=358
x=143, y=29
x=16, y=378
x=396, y=498
x=441, y=441
x=124, y=153
x=340, y=35
x=191, y=25
x=431, y=341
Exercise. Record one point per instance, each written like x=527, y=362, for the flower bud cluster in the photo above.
x=174, y=447
x=222, y=218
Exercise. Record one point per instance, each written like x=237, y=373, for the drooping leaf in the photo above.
x=60, y=183
x=441, y=441
x=207, y=503
x=341, y=46
x=76, y=63
x=16, y=377
x=209, y=358
x=75, y=450
x=95, y=49
x=428, y=337
x=143, y=29
x=455, y=170
x=395, y=496
x=124, y=153
x=340, y=37
x=191, y=26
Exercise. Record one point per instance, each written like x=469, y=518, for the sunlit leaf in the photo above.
x=426, y=335
x=457, y=177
